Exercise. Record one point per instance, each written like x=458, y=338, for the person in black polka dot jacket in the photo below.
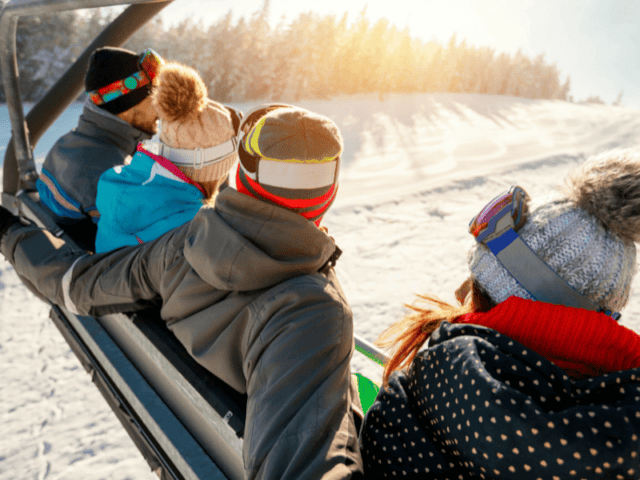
x=510, y=387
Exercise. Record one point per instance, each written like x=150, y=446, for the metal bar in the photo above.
x=11, y=83
x=38, y=7
x=155, y=459
x=19, y=166
x=161, y=367
x=30, y=209
x=172, y=437
x=371, y=351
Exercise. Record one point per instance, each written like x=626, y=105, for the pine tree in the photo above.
x=46, y=46
x=309, y=57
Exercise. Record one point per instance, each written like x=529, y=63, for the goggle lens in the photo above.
x=149, y=62
x=511, y=202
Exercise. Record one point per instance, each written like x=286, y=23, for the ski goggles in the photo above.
x=199, y=158
x=149, y=63
x=495, y=226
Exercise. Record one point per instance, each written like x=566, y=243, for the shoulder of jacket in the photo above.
x=304, y=289
x=83, y=140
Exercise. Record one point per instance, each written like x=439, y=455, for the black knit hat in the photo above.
x=108, y=65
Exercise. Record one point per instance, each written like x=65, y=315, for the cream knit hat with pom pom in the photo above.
x=586, y=234
x=190, y=121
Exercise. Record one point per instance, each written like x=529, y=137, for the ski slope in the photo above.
x=415, y=169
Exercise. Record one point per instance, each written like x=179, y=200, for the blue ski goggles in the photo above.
x=496, y=225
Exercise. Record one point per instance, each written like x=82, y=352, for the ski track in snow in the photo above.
x=415, y=169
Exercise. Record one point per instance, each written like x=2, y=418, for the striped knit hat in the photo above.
x=586, y=234
x=290, y=157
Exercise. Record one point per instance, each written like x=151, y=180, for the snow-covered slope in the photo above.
x=415, y=169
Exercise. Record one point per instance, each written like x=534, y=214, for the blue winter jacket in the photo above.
x=143, y=200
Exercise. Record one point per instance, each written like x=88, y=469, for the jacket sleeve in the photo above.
x=124, y=280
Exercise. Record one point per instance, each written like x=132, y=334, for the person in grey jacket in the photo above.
x=248, y=288
x=117, y=115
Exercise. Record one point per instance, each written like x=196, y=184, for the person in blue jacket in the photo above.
x=168, y=180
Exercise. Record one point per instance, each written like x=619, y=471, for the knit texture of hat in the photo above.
x=190, y=120
x=304, y=148
x=109, y=64
x=586, y=234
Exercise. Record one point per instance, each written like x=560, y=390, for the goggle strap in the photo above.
x=291, y=175
x=535, y=276
x=148, y=63
x=118, y=88
x=199, y=157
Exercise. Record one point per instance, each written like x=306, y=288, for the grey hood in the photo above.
x=257, y=245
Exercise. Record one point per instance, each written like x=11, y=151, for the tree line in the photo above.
x=309, y=57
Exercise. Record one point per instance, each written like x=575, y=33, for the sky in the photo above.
x=595, y=42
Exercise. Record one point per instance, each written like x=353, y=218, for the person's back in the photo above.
x=168, y=181
x=248, y=288
x=524, y=383
x=106, y=135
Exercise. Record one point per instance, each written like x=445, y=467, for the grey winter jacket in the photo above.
x=239, y=288
x=71, y=170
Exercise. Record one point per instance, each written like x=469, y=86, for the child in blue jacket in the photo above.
x=168, y=180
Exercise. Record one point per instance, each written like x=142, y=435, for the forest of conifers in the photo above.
x=309, y=57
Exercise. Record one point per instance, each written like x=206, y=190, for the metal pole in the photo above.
x=371, y=351
x=19, y=166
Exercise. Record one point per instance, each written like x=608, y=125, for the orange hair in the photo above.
x=408, y=335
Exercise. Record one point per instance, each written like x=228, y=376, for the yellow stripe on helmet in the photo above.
x=252, y=140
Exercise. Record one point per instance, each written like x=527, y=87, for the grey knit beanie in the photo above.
x=586, y=234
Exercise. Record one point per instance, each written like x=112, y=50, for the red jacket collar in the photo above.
x=581, y=342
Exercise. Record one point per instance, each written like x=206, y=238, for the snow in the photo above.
x=415, y=169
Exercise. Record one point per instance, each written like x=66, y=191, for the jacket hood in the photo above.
x=257, y=245
x=96, y=122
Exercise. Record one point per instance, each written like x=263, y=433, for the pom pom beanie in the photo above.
x=190, y=120
x=586, y=234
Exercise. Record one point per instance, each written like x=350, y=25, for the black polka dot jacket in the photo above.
x=477, y=404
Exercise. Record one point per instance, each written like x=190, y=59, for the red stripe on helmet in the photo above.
x=290, y=202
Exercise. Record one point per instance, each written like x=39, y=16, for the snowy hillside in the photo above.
x=416, y=168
